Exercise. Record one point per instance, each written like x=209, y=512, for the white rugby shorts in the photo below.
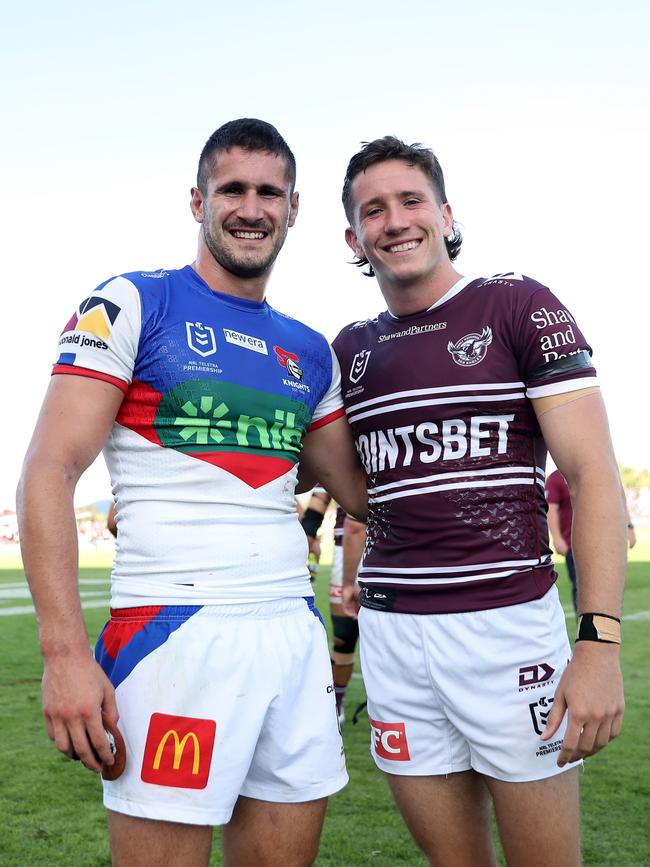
x=220, y=701
x=336, y=576
x=450, y=692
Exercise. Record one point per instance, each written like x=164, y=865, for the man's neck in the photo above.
x=221, y=280
x=408, y=299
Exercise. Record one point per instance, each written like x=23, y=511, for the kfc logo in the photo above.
x=388, y=741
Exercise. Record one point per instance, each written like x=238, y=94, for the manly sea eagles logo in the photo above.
x=472, y=348
x=200, y=338
x=359, y=365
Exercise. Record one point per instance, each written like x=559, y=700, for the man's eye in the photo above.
x=372, y=212
x=412, y=202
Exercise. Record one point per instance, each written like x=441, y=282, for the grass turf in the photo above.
x=52, y=807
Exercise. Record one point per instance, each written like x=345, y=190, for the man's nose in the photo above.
x=249, y=207
x=396, y=220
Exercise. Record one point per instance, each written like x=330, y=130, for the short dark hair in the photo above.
x=248, y=133
x=391, y=148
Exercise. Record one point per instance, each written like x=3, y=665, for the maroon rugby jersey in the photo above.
x=439, y=404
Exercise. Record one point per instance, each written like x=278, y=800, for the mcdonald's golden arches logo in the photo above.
x=178, y=751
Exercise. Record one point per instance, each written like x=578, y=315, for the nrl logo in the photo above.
x=472, y=348
x=200, y=338
x=359, y=365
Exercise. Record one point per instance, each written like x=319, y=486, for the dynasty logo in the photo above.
x=535, y=676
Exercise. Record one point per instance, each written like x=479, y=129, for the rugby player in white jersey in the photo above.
x=454, y=396
x=214, y=661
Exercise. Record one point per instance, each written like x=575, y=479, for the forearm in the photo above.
x=48, y=535
x=354, y=539
x=599, y=541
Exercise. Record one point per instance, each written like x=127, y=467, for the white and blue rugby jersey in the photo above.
x=218, y=394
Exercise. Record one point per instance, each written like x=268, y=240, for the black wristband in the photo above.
x=311, y=521
x=599, y=627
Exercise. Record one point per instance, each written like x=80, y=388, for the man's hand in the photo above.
x=75, y=692
x=560, y=546
x=591, y=692
x=350, y=601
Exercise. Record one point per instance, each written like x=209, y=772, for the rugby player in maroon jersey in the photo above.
x=454, y=395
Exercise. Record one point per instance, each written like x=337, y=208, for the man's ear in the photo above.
x=448, y=219
x=293, y=207
x=196, y=204
x=353, y=243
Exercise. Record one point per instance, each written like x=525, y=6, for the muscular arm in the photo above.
x=559, y=542
x=329, y=456
x=591, y=690
x=73, y=424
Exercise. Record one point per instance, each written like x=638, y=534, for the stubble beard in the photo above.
x=240, y=267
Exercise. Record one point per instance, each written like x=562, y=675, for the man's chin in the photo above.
x=248, y=270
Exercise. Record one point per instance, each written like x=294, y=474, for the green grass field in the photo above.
x=52, y=807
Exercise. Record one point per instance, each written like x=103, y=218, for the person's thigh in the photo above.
x=139, y=842
x=268, y=834
x=411, y=734
x=496, y=673
x=299, y=754
x=539, y=821
x=448, y=817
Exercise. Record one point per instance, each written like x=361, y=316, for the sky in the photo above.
x=539, y=114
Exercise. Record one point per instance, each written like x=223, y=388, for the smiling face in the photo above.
x=245, y=211
x=400, y=227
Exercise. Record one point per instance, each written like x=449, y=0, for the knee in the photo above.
x=346, y=634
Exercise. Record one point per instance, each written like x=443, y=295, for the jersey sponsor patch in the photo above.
x=252, y=434
x=389, y=741
x=178, y=751
x=96, y=316
x=246, y=341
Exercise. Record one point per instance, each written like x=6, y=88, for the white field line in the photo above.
x=98, y=603
x=90, y=582
x=29, y=609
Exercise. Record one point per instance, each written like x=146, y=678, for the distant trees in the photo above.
x=634, y=478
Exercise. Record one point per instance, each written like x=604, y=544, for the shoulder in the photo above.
x=287, y=326
x=356, y=332
x=516, y=285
